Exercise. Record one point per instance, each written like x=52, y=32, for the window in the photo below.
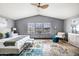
x=77, y=28
x=39, y=28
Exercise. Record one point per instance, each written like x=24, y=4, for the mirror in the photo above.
x=3, y=22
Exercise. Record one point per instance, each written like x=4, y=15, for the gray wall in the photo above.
x=21, y=24
x=10, y=23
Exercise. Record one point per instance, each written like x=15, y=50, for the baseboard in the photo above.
x=42, y=38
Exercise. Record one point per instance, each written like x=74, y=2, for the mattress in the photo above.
x=13, y=49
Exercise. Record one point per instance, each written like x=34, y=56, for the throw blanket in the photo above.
x=12, y=41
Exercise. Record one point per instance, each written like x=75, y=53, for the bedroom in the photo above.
x=39, y=29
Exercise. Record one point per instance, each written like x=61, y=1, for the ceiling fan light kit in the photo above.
x=41, y=5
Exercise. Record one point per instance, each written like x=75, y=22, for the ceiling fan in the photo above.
x=41, y=5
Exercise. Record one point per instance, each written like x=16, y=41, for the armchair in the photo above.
x=60, y=35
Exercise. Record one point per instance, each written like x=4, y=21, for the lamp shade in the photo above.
x=14, y=28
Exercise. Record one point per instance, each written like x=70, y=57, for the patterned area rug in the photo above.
x=46, y=48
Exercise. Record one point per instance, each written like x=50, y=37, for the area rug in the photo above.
x=46, y=48
x=49, y=48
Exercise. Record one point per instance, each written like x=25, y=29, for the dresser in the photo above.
x=73, y=39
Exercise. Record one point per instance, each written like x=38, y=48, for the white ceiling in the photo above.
x=22, y=10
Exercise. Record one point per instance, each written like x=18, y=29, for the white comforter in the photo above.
x=18, y=44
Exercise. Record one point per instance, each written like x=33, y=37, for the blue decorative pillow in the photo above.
x=7, y=35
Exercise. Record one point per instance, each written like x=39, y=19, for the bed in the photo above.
x=15, y=49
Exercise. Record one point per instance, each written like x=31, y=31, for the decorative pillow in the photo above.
x=1, y=35
x=7, y=35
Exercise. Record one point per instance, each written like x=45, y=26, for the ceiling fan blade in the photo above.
x=44, y=6
x=36, y=4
